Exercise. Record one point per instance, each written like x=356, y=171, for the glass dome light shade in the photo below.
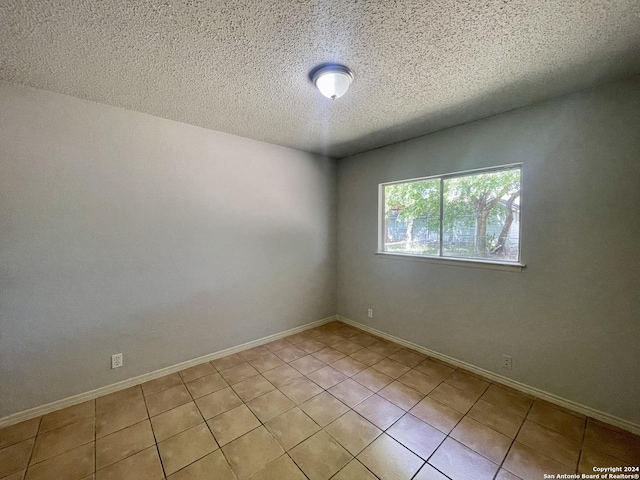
x=333, y=82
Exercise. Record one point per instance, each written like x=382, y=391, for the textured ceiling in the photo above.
x=242, y=66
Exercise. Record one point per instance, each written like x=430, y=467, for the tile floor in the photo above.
x=331, y=402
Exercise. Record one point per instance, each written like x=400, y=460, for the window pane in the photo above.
x=481, y=215
x=412, y=217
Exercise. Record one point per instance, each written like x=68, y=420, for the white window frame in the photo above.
x=439, y=259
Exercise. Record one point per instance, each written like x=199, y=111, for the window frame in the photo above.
x=440, y=258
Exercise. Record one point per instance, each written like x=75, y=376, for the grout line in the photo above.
x=33, y=447
x=514, y=440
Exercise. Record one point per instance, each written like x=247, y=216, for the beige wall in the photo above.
x=571, y=319
x=123, y=232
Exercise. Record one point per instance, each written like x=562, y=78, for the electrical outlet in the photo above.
x=370, y=313
x=506, y=362
x=116, y=360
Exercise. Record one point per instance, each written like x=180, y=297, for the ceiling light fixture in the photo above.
x=332, y=80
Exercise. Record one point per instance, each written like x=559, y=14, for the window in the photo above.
x=468, y=215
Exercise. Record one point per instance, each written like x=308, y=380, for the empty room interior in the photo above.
x=319, y=239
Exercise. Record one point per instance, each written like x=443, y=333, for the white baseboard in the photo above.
x=550, y=397
x=99, y=392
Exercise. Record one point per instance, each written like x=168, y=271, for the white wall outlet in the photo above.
x=370, y=313
x=116, y=360
x=506, y=362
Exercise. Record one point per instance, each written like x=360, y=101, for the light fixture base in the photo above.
x=333, y=80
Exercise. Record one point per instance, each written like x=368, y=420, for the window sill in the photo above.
x=457, y=262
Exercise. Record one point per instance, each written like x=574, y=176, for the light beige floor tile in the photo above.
x=391, y=368
x=347, y=331
x=15, y=457
x=278, y=345
x=198, y=371
x=419, y=437
x=238, y=373
x=353, y=432
x=320, y=456
x=19, y=432
x=120, y=416
x=384, y=347
x=368, y=357
x=144, y=465
x=427, y=472
x=282, y=375
x=291, y=428
x=177, y=420
x=482, y=439
x=354, y=471
x=291, y=353
x=558, y=447
x=266, y=362
x=230, y=425
x=167, y=400
x=66, y=416
x=252, y=388
x=205, y=385
x=346, y=347
x=624, y=446
x=349, y=366
x=299, y=338
x=435, y=369
x=212, y=467
x=508, y=399
x=329, y=338
x=324, y=408
x=590, y=457
x=328, y=355
x=160, y=384
x=446, y=364
x=218, y=402
x=363, y=339
x=282, y=468
x=528, y=464
x=506, y=475
x=326, y=377
x=436, y=414
x=72, y=465
x=408, y=357
x=557, y=420
x=457, y=461
x=372, y=379
x=419, y=381
x=311, y=346
x=499, y=419
x=307, y=364
x=227, y=362
x=565, y=410
x=270, y=405
x=386, y=458
x=254, y=353
x=453, y=397
x=63, y=439
x=300, y=390
x=350, y=392
x=401, y=395
x=180, y=450
x=379, y=411
x=116, y=399
x=467, y=383
x=15, y=476
x=123, y=444
x=252, y=452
